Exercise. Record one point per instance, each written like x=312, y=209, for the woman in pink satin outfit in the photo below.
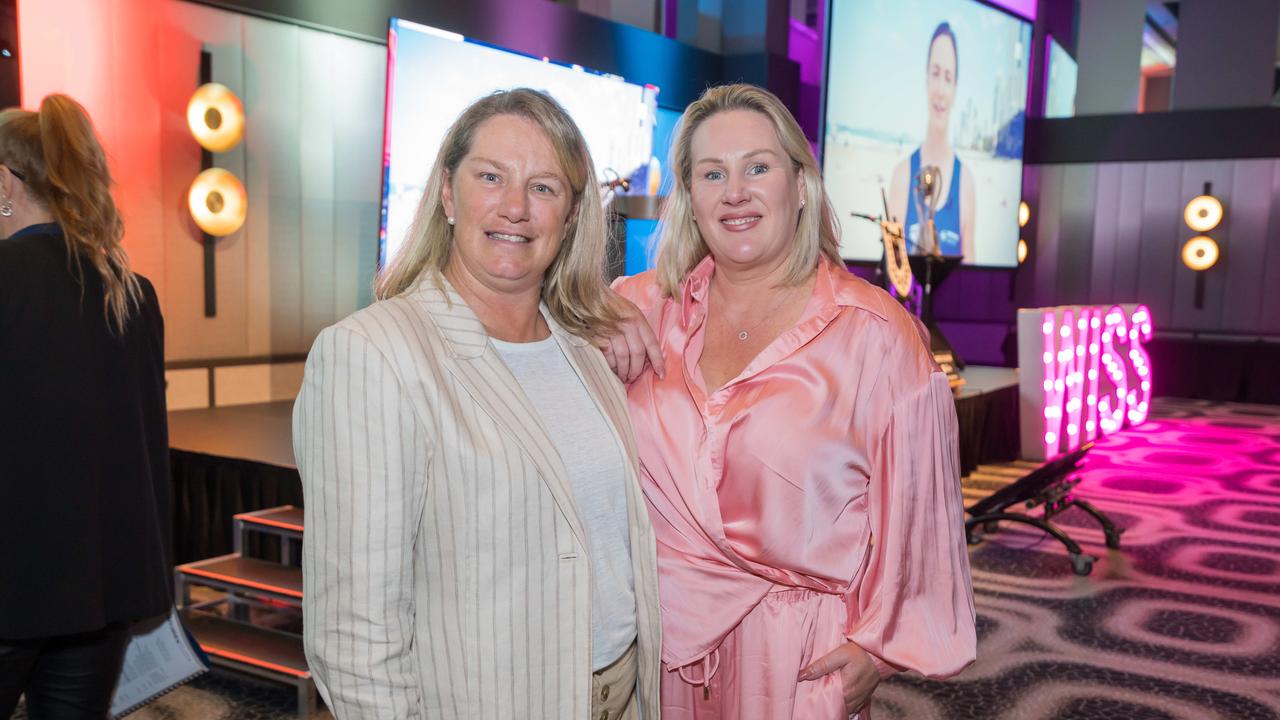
x=799, y=453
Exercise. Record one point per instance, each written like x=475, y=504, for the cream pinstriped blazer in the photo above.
x=445, y=569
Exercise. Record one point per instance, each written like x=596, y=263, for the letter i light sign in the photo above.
x=1084, y=374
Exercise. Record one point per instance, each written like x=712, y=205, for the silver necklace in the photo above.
x=745, y=333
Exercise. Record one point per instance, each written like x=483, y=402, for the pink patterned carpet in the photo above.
x=1182, y=622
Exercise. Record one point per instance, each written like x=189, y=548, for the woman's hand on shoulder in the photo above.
x=632, y=344
x=858, y=676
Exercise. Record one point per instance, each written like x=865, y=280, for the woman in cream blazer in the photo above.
x=448, y=565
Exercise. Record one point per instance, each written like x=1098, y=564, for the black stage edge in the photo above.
x=988, y=427
x=208, y=490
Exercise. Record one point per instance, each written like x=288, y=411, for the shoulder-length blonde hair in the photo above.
x=682, y=246
x=65, y=169
x=574, y=287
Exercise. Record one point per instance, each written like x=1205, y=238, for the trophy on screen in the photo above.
x=928, y=183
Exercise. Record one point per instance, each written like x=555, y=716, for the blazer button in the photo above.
x=604, y=693
x=604, y=715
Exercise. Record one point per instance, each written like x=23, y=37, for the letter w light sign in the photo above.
x=1084, y=374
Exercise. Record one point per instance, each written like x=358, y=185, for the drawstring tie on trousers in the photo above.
x=710, y=664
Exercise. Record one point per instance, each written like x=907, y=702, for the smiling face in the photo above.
x=745, y=191
x=941, y=83
x=510, y=201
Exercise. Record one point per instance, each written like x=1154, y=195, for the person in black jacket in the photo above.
x=84, y=464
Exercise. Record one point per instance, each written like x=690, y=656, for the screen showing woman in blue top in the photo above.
x=913, y=84
x=954, y=208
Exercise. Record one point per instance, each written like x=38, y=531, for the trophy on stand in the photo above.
x=926, y=263
x=933, y=267
x=895, y=264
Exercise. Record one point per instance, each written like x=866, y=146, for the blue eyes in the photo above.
x=540, y=188
x=757, y=169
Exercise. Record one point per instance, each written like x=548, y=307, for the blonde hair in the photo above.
x=682, y=246
x=574, y=287
x=65, y=170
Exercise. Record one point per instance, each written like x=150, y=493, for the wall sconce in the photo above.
x=216, y=199
x=1202, y=214
x=215, y=117
x=1024, y=217
x=217, y=202
x=1200, y=253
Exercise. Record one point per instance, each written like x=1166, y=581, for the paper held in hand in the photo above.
x=160, y=657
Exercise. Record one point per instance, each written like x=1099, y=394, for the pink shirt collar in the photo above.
x=834, y=288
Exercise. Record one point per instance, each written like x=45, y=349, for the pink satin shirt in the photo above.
x=829, y=463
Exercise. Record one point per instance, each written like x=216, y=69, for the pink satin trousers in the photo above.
x=752, y=675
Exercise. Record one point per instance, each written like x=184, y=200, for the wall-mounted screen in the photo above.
x=1060, y=93
x=433, y=75
x=913, y=84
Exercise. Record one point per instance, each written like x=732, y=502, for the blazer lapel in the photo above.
x=601, y=385
x=482, y=374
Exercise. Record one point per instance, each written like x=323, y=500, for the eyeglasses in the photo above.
x=21, y=176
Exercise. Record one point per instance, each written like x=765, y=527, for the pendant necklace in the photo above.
x=745, y=333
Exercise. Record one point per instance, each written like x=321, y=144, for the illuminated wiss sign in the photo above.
x=1084, y=374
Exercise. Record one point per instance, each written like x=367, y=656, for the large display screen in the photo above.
x=927, y=83
x=433, y=75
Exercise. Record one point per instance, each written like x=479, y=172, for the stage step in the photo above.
x=236, y=573
x=264, y=649
x=285, y=518
x=284, y=522
x=257, y=651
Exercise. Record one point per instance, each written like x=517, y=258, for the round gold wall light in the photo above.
x=1200, y=253
x=215, y=117
x=1203, y=213
x=217, y=202
x=1022, y=251
x=1024, y=214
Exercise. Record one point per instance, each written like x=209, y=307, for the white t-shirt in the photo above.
x=597, y=475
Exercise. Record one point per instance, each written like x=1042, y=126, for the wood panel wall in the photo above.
x=1112, y=232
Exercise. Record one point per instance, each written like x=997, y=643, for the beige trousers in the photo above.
x=613, y=689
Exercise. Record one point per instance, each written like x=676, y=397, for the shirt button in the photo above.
x=604, y=693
